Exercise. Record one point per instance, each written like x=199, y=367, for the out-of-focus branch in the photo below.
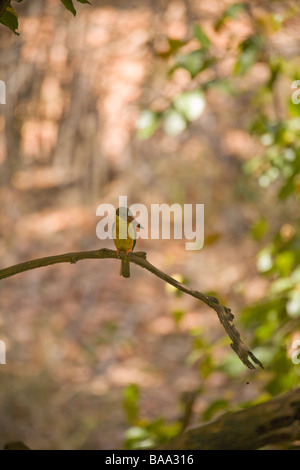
x=275, y=421
x=139, y=258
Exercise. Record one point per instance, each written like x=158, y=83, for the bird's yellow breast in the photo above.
x=123, y=228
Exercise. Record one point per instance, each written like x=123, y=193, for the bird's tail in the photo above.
x=125, y=268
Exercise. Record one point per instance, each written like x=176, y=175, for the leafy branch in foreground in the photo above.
x=70, y=5
x=139, y=258
x=9, y=17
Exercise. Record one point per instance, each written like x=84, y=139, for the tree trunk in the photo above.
x=275, y=421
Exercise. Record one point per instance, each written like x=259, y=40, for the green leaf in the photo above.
x=250, y=49
x=293, y=304
x=199, y=344
x=245, y=61
x=173, y=122
x=232, y=365
x=275, y=66
x=259, y=229
x=190, y=104
x=147, y=123
x=212, y=238
x=265, y=331
x=285, y=262
x=10, y=19
x=84, y=1
x=69, y=6
x=264, y=260
x=213, y=408
x=296, y=274
x=285, y=373
x=137, y=437
x=231, y=12
x=258, y=314
x=224, y=85
x=194, y=62
x=287, y=189
x=131, y=399
x=282, y=284
x=265, y=353
x=201, y=36
x=294, y=108
x=175, y=44
x=178, y=315
x=206, y=367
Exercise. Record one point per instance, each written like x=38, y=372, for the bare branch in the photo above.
x=139, y=258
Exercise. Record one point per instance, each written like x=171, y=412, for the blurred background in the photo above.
x=165, y=102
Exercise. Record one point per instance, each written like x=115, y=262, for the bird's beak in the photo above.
x=134, y=222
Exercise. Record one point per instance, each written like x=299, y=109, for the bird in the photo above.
x=124, y=235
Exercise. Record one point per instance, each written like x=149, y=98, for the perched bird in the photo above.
x=124, y=235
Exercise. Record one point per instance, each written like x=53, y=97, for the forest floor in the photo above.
x=77, y=335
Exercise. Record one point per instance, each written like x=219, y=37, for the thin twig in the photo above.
x=139, y=258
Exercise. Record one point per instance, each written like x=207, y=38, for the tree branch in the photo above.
x=275, y=421
x=139, y=258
